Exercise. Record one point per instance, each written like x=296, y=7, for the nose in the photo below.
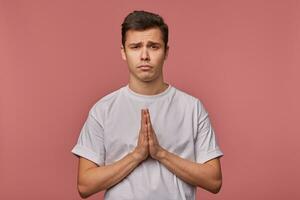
x=145, y=54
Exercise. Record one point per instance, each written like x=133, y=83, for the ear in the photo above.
x=167, y=52
x=123, y=53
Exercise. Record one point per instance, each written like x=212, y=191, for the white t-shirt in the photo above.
x=182, y=127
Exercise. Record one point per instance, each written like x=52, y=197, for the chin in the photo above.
x=146, y=79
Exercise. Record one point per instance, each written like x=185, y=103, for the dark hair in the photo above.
x=142, y=20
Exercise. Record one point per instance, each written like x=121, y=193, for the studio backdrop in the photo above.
x=241, y=58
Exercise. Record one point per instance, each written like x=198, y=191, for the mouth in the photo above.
x=145, y=67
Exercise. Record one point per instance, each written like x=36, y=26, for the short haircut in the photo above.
x=143, y=20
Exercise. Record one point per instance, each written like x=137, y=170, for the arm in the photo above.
x=207, y=176
x=93, y=179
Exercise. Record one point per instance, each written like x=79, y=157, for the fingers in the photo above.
x=146, y=125
x=149, y=119
x=143, y=128
x=149, y=126
x=142, y=118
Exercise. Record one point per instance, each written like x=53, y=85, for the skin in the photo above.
x=207, y=176
x=146, y=48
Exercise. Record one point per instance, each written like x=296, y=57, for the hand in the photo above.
x=141, y=152
x=155, y=149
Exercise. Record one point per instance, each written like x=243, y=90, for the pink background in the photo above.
x=241, y=58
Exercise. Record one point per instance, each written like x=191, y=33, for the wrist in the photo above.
x=136, y=156
x=162, y=153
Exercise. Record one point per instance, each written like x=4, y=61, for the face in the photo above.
x=145, y=54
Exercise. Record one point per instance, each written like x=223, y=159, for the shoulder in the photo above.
x=101, y=106
x=186, y=97
x=192, y=101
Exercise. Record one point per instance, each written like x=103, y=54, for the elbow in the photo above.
x=86, y=191
x=83, y=192
x=213, y=186
x=216, y=187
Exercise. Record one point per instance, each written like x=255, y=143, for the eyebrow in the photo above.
x=149, y=43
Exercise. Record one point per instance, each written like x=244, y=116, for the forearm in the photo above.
x=201, y=175
x=101, y=178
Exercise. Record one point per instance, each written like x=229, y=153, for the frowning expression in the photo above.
x=144, y=53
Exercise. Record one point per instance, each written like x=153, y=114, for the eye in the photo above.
x=134, y=47
x=154, y=46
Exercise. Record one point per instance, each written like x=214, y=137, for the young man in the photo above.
x=147, y=140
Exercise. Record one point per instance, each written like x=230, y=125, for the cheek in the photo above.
x=132, y=58
x=131, y=64
x=160, y=60
x=160, y=57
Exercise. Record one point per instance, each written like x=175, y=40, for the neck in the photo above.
x=147, y=88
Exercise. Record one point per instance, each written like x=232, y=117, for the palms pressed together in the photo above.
x=148, y=144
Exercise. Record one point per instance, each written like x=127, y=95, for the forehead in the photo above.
x=137, y=36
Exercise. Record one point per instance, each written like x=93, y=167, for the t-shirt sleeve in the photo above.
x=206, y=146
x=90, y=144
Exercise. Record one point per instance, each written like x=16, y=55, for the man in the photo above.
x=147, y=140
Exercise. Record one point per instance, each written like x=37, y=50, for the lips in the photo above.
x=145, y=66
